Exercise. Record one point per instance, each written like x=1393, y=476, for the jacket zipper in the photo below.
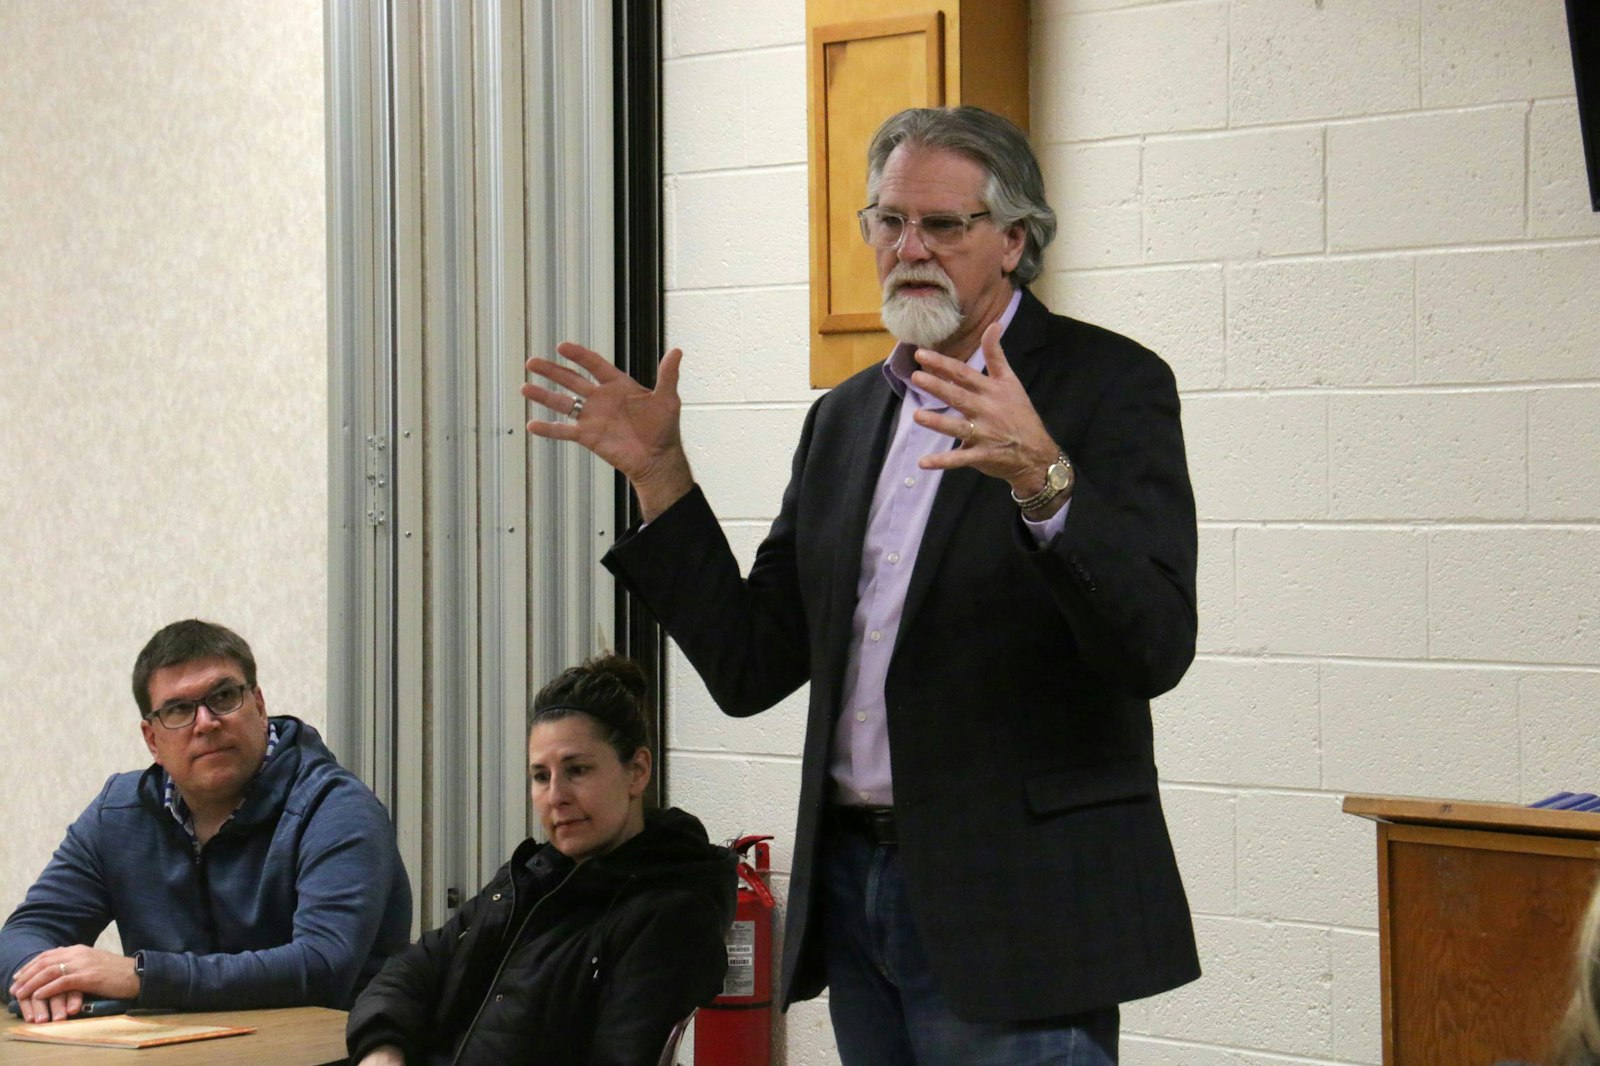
x=505, y=957
x=208, y=915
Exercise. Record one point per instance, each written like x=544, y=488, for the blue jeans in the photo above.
x=885, y=1005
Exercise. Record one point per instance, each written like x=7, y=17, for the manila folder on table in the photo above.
x=120, y=1031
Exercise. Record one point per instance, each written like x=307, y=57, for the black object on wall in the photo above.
x=640, y=313
x=1583, y=27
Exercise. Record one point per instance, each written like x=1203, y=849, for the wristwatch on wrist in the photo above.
x=1058, y=478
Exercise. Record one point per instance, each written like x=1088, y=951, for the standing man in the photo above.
x=984, y=566
x=245, y=868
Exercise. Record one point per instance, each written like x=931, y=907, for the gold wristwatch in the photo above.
x=1058, y=478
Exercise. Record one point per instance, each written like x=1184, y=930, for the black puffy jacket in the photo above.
x=559, y=963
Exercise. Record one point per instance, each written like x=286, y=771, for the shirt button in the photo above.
x=894, y=557
x=861, y=716
x=911, y=482
x=876, y=636
x=865, y=796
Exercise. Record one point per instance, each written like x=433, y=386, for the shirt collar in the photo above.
x=902, y=361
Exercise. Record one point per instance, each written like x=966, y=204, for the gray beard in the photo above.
x=925, y=322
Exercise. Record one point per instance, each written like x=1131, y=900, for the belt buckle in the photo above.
x=879, y=825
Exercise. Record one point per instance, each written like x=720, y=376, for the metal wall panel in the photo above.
x=470, y=218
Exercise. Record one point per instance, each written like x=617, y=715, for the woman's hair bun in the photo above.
x=623, y=671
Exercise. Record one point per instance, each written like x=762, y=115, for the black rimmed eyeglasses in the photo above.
x=222, y=700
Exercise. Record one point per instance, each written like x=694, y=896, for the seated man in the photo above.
x=245, y=868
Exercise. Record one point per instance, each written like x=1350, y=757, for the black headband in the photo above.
x=537, y=711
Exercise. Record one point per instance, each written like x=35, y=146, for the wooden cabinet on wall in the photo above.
x=866, y=60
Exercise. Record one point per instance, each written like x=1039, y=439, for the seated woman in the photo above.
x=587, y=949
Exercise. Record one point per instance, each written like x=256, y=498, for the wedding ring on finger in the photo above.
x=62, y=967
x=971, y=433
x=577, y=408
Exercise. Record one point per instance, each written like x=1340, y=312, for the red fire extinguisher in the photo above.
x=735, y=1029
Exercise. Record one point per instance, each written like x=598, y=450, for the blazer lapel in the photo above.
x=863, y=449
x=1022, y=341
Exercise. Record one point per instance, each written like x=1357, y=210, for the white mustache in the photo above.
x=918, y=274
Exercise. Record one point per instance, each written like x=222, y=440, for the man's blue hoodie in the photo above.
x=297, y=900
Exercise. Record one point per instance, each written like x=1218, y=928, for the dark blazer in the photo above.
x=1037, y=860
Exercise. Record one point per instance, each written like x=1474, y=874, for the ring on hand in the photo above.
x=972, y=431
x=577, y=408
x=62, y=967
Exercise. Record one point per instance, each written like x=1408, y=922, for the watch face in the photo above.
x=1058, y=476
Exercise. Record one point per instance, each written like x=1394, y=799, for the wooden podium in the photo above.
x=1478, y=911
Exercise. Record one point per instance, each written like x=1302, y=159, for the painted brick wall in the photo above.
x=1359, y=232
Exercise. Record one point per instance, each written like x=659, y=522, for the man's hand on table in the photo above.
x=52, y=985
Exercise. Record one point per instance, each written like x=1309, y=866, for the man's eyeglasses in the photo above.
x=940, y=233
x=225, y=699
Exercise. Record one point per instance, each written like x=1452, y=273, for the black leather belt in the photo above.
x=874, y=823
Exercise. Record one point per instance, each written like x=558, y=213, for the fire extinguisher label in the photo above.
x=741, y=979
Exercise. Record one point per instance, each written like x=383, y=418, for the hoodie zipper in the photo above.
x=505, y=957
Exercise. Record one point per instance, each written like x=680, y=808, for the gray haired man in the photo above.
x=984, y=567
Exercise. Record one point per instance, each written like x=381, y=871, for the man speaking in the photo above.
x=984, y=566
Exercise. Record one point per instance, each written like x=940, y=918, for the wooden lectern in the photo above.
x=1478, y=911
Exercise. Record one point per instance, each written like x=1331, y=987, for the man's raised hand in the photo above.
x=991, y=417
x=634, y=429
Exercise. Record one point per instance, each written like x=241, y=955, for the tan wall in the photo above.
x=163, y=438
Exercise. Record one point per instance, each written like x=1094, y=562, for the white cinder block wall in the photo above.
x=1359, y=231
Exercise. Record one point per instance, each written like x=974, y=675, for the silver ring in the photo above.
x=577, y=408
x=62, y=967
